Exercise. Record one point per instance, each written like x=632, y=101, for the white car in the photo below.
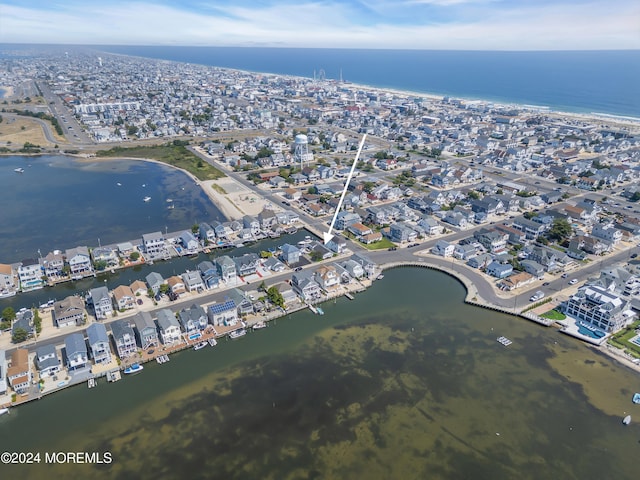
x=573, y=281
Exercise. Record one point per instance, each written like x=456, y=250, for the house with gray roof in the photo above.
x=337, y=244
x=290, y=254
x=227, y=269
x=101, y=301
x=79, y=262
x=189, y=242
x=247, y=264
x=209, y=274
x=480, y=261
x=532, y=267
x=192, y=280
x=69, y=312
x=155, y=281
x=169, y=326
x=206, y=233
x=124, y=338
x=273, y=264
x=193, y=319
x=76, y=352
x=154, y=244
x=241, y=301
x=47, y=360
x=223, y=313
x=99, y=343
x=252, y=223
x=146, y=330
x=303, y=284
x=24, y=321
x=402, y=233
x=499, y=270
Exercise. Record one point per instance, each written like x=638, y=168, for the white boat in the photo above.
x=200, y=345
x=627, y=420
x=238, y=333
x=380, y=277
x=169, y=200
x=119, y=184
x=3, y=411
x=259, y=325
x=213, y=342
x=18, y=170
x=146, y=199
x=504, y=341
x=134, y=368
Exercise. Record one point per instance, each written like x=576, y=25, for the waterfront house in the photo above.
x=138, y=288
x=600, y=308
x=290, y=254
x=47, y=360
x=189, y=242
x=99, y=343
x=321, y=251
x=306, y=287
x=146, y=330
x=24, y=321
x=517, y=280
x=252, y=224
x=155, y=281
x=101, y=301
x=288, y=295
x=443, y=248
x=267, y=219
x=209, y=274
x=19, y=373
x=79, y=262
x=247, y=264
x=227, y=269
x=153, y=245
x=53, y=264
x=241, y=301
x=224, y=313
x=337, y=244
x=7, y=280
x=207, y=233
x=3, y=372
x=124, y=297
x=105, y=255
x=273, y=264
x=193, y=319
x=192, y=280
x=327, y=277
x=125, y=249
x=369, y=267
x=354, y=268
x=124, y=338
x=176, y=287
x=499, y=270
x=480, y=261
x=30, y=275
x=69, y=312
x=75, y=350
x=169, y=327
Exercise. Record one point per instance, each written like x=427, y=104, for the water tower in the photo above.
x=301, y=153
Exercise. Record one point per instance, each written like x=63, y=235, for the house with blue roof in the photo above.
x=193, y=319
x=47, y=361
x=499, y=270
x=169, y=327
x=76, y=352
x=124, y=338
x=99, y=343
x=290, y=254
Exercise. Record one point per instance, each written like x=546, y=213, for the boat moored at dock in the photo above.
x=200, y=345
x=241, y=332
x=134, y=368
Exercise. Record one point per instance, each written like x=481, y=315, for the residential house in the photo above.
x=124, y=297
x=124, y=338
x=443, y=248
x=193, y=319
x=189, y=242
x=430, y=226
x=607, y=232
x=273, y=264
x=53, y=265
x=227, y=269
x=533, y=268
x=79, y=262
x=76, y=352
x=241, y=301
x=531, y=229
x=251, y=223
x=492, y=240
x=288, y=295
x=354, y=269
x=499, y=270
x=105, y=257
x=358, y=229
x=465, y=251
x=138, y=288
x=247, y=264
x=457, y=219
x=101, y=302
x=223, y=314
x=206, y=233
x=480, y=261
x=267, y=219
x=47, y=361
x=30, y=275
x=155, y=281
x=320, y=251
x=146, y=329
x=344, y=219
x=338, y=244
x=369, y=267
x=99, y=343
x=517, y=280
x=327, y=277
x=209, y=274
x=595, y=245
x=19, y=373
x=169, y=327
x=292, y=194
x=304, y=285
x=290, y=254
x=24, y=321
x=192, y=280
x=176, y=287
x=69, y=312
x=401, y=232
x=600, y=308
x=154, y=245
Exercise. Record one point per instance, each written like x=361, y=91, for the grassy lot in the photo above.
x=554, y=315
x=621, y=340
x=172, y=154
x=382, y=244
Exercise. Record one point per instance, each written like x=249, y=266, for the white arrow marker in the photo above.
x=327, y=236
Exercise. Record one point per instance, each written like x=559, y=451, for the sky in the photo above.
x=412, y=24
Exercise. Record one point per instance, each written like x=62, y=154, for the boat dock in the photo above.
x=349, y=296
x=213, y=342
x=114, y=376
x=91, y=382
x=162, y=359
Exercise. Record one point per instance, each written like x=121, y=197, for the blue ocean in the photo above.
x=572, y=81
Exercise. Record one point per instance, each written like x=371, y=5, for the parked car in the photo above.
x=573, y=281
x=634, y=255
x=298, y=269
x=545, y=284
x=564, y=275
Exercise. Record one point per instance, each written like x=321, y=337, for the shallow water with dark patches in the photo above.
x=403, y=382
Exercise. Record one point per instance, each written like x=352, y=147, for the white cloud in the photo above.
x=324, y=24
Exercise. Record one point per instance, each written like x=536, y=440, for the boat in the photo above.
x=313, y=309
x=238, y=333
x=320, y=311
x=160, y=360
x=504, y=341
x=380, y=277
x=213, y=342
x=169, y=200
x=626, y=420
x=134, y=368
x=91, y=382
x=3, y=411
x=200, y=345
x=119, y=184
x=259, y=325
x=636, y=398
x=18, y=170
x=146, y=199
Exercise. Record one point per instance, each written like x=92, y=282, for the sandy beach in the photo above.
x=233, y=199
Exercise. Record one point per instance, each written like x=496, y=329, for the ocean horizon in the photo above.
x=585, y=82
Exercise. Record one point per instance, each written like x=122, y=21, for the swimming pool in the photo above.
x=636, y=340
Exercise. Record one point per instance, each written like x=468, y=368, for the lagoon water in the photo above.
x=60, y=202
x=404, y=382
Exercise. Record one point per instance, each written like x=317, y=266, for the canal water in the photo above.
x=60, y=202
x=406, y=381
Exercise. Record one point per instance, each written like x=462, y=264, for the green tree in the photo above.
x=9, y=314
x=316, y=256
x=560, y=230
x=37, y=321
x=100, y=265
x=164, y=288
x=194, y=228
x=134, y=256
x=474, y=195
x=19, y=335
x=275, y=297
